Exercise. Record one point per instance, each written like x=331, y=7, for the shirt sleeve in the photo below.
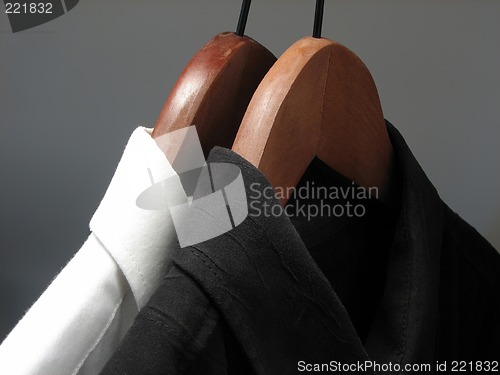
x=79, y=321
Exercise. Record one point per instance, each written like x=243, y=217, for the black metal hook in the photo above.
x=318, y=18
x=242, y=22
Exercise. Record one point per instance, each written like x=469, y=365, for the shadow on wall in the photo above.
x=493, y=233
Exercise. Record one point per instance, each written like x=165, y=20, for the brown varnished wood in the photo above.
x=214, y=90
x=318, y=99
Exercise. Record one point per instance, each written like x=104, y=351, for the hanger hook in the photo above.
x=242, y=22
x=318, y=18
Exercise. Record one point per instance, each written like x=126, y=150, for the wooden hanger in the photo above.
x=318, y=99
x=215, y=88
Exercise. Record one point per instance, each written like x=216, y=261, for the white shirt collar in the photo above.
x=139, y=240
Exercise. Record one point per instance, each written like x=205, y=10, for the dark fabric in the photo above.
x=349, y=250
x=406, y=284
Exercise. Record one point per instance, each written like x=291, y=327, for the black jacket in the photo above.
x=410, y=284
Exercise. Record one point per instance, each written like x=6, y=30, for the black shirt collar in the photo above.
x=280, y=305
x=405, y=328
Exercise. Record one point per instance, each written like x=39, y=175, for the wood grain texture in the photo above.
x=214, y=90
x=318, y=99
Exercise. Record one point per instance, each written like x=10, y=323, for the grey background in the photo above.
x=72, y=90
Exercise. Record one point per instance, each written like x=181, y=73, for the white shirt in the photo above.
x=79, y=321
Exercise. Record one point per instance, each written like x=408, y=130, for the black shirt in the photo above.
x=411, y=284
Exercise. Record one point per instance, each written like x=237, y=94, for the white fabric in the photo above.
x=79, y=321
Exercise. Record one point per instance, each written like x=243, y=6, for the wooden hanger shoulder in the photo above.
x=214, y=90
x=318, y=99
